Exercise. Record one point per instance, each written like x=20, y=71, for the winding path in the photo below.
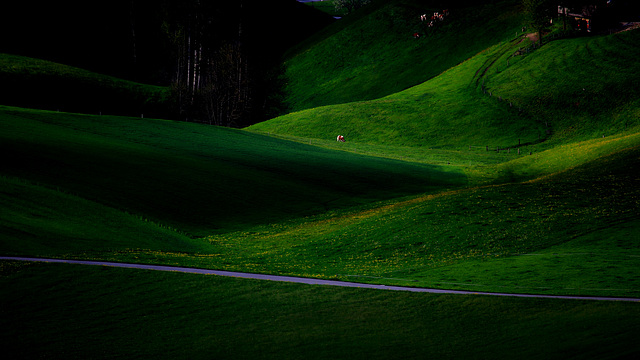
x=308, y=281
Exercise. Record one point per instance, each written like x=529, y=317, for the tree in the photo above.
x=225, y=92
x=226, y=55
x=539, y=14
x=350, y=5
x=569, y=6
x=211, y=81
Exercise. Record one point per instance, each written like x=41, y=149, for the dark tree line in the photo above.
x=221, y=58
x=225, y=56
x=217, y=76
x=211, y=73
x=350, y=5
x=539, y=12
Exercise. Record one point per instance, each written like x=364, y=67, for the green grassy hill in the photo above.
x=372, y=53
x=35, y=83
x=582, y=88
x=447, y=111
x=570, y=90
x=463, y=239
x=563, y=119
x=93, y=312
x=498, y=173
x=196, y=178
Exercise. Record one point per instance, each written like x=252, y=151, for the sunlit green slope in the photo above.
x=463, y=238
x=447, y=111
x=581, y=88
x=373, y=53
x=570, y=109
x=569, y=90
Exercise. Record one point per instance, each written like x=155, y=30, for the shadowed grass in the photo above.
x=435, y=240
x=199, y=179
x=91, y=312
x=35, y=83
x=44, y=222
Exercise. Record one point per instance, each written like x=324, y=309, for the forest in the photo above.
x=221, y=59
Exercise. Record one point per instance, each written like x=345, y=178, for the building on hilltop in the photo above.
x=598, y=15
x=583, y=14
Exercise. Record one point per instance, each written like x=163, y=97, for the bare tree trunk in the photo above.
x=212, y=80
x=132, y=23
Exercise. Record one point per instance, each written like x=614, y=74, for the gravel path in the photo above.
x=308, y=281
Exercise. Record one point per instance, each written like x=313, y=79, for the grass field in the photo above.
x=372, y=53
x=424, y=240
x=34, y=83
x=434, y=240
x=94, y=312
x=496, y=172
x=235, y=178
x=569, y=88
x=581, y=87
x=445, y=112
